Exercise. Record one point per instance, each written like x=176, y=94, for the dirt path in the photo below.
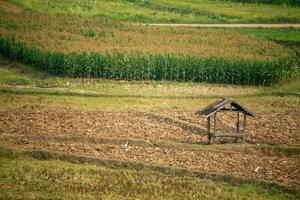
x=225, y=25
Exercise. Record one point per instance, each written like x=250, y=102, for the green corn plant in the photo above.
x=139, y=66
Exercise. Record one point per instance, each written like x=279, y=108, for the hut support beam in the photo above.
x=245, y=117
x=215, y=125
x=244, y=126
x=215, y=122
x=238, y=122
x=237, y=125
x=208, y=130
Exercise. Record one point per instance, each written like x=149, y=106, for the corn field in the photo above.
x=136, y=66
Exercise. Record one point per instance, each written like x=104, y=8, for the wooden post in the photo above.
x=238, y=122
x=208, y=130
x=245, y=116
x=215, y=127
x=237, y=125
x=244, y=126
x=215, y=122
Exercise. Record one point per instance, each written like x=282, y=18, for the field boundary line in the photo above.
x=250, y=149
x=60, y=91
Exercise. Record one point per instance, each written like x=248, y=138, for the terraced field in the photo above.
x=94, y=107
x=154, y=128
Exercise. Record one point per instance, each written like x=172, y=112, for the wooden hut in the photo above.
x=225, y=105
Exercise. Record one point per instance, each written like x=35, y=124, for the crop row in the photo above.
x=136, y=66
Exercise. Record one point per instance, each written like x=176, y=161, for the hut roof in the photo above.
x=220, y=105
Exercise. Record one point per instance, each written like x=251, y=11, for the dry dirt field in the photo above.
x=159, y=138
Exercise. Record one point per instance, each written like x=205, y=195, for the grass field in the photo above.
x=96, y=35
x=94, y=107
x=139, y=94
x=93, y=47
x=288, y=37
x=272, y=2
x=170, y=11
x=36, y=179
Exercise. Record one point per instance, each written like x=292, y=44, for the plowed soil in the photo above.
x=270, y=128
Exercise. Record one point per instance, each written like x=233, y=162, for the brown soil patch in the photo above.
x=270, y=128
x=9, y=8
x=133, y=125
x=274, y=128
x=127, y=124
x=283, y=170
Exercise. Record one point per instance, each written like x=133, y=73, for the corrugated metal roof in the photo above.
x=222, y=103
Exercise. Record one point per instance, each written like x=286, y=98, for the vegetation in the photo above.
x=151, y=67
x=281, y=35
x=286, y=37
x=47, y=43
x=24, y=177
x=274, y=2
x=169, y=11
x=23, y=86
x=95, y=47
x=106, y=49
x=98, y=35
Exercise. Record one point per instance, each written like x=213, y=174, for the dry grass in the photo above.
x=96, y=35
x=23, y=177
x=9, y=8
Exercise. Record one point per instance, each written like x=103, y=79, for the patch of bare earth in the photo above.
x=133, y=125
x=283, y=170
x=9, y=8
x=126, y=125
x=274, y=128
x=269, y=128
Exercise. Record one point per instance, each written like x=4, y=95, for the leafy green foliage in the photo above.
x=136, y=66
